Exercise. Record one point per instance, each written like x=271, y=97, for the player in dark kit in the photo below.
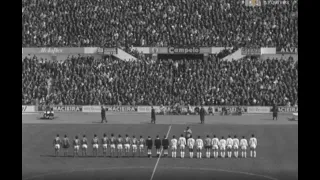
x=202, y=114
x=149, y=144
x=165, y=145
x=103, y=115
x=65, y=145
x=153, y=115
x=157, y=144
x=275, y=112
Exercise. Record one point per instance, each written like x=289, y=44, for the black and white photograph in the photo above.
x=159, y=89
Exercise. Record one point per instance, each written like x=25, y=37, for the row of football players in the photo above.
x=116, y=146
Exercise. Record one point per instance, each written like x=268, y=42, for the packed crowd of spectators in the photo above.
x=89, y=81
x=109, y=23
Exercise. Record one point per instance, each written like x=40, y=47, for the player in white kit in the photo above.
x=84, y=145
x=191, y=142
x=199, y=143
x=56, y=145
x=95, y=145
x=243, y=145
x=229, y=146
x=215, y=146
x=104, y=143
x=182, y=144
x=253, y=146
x=142, y=144
x=127, y=145
x=76, y=145
x=235, y=146
x=134, y=143
x=222, y=144
x=174, y=143
x=119, y=146
x=112, y=145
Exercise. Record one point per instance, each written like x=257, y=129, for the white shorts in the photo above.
x=105, y=146
x=244, y=147
x=95, y=146
x=57, y=146
x=190, y=147
x=215, y=147
x=119, y=146
x=223, y=148
x=84, y=146
x=229, y=147
x=134, y=146
x=253, y=146
x=141, y=146
x=174, y=147
x=182, y=146
x=236, y=147
x=76, y=147
x=199, y=147
x=127, y=146
x=112, y=146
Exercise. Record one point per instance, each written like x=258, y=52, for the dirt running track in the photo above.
x=277, y=151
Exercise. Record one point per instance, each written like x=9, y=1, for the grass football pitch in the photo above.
x=277, y=150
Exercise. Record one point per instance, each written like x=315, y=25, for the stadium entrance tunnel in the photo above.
x=141, y=173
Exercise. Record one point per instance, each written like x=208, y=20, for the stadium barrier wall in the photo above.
x=26, y=108
x=192, y=110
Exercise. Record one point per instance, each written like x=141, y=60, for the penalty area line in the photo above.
x=155, y=167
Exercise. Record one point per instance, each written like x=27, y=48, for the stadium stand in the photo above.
x=127, y=23
x=110, y=23
x=89, y=81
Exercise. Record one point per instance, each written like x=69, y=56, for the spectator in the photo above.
x=157, y=23
x=89, y=81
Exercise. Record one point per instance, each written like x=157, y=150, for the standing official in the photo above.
x=103, y=115
x=149, y=144
x=153, y=115
x=275, y=112
x=202, y=114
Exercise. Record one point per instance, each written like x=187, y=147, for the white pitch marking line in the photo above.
x=155, y=167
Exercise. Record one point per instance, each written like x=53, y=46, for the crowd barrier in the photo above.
x=159, y=110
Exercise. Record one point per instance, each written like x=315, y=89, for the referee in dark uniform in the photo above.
x=153, y=115
x=202, y=114
x=149, y=144
x=275, y=112
x=157, y=144
x=103, y=115
x=165, y=145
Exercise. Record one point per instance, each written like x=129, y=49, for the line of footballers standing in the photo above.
x=229, y=145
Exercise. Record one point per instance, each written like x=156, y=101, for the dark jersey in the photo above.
x=65, y=143
x=149, y=143
x=165, y=143
x=157, y=143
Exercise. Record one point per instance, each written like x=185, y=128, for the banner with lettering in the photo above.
x=287, y=50
x=28, y=108
x=231, y=109
x=121, y=108
x=91, y=109
x=258, y=109
x=284, y=109
x=67, y=108
x=50, y=50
